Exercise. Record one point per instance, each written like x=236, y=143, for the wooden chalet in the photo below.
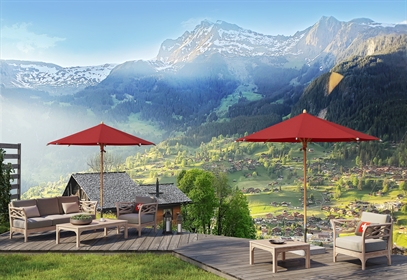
x=118, y=186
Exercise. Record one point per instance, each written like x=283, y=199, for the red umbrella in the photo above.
x=101, y=135
x=304, y=129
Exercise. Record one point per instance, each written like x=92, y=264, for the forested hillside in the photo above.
x=372, y=96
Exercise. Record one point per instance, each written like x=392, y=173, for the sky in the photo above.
x=94, y=32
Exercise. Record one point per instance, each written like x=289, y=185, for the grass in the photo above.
x=93, y=266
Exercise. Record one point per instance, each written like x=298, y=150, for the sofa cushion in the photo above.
x=31, y=211
x=354, y=243
x=24, y=203
x=37, y=222
x=70, y=207
x=133, y=218
x=66, y=199
x=375, y=218
x=48, y=206
x=59, y=218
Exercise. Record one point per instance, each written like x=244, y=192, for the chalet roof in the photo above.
x=118, y=186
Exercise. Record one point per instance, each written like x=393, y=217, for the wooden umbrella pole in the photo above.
x=101, y=180
x=304, y=148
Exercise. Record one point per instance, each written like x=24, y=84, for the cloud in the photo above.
x=191, y=23
x=26, y=41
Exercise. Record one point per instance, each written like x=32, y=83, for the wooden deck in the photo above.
x=227, y=257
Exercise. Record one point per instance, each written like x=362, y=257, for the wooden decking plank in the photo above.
x=147, y=241
x=166, y=241
x=127, y=243
x=156, y=243
x=184, y=240
x=225, y=256
x=174, y=243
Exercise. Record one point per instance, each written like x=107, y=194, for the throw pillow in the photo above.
x=361, y=227
x=137, y=207
x=32, y=211
x=70, y=207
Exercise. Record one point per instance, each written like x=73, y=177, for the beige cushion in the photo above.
x=354, y=243
x=133, y=218
x=71, y=207
x=375, y=218
x=32, y=211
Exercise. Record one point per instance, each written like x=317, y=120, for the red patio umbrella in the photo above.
x=101, y=135
x=305, y=129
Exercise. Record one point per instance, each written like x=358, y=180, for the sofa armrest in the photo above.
x=124, y=208
x=16, y=213
x=342, y=225
x=375, y=231
x=147, y=208
x=88, y=206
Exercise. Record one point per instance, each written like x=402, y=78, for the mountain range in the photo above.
x=220, y=79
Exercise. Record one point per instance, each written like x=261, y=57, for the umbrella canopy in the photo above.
x=101, y=135
x=304, y=129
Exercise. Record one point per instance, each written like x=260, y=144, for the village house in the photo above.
x=119, y=187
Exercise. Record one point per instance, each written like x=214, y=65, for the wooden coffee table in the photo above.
x=96, y=224
x=275, y=249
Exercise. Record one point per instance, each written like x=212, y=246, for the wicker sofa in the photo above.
x=43, y=214
x=139, y=213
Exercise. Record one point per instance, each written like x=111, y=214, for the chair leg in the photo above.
x=363, y=260
x=388, y=259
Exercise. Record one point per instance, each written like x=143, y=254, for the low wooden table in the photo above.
x=96, y=224
x=275, y=249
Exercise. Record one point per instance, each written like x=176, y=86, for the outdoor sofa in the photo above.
x=139, y=213
x=43, y=214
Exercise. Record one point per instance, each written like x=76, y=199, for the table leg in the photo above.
x=78, y=240
x=125, y=231
x=105, y=231
x=57, y=235
x=274, y=261
x=283, y=256
x=307, y=257
x=251, y=255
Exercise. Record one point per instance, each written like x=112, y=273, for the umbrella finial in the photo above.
x=101, y=122
x=304, y=111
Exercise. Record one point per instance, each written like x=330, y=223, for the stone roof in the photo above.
x=118, y=186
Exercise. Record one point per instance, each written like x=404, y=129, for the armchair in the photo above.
x=373, y=237
x=139, y=214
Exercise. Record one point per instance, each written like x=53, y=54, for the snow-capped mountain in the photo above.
x=241, y=51
x=326, y=37
x=227, y=39
x=49, y=77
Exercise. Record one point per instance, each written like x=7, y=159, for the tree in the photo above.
x=198, y=186
x=223, y=190
x=237, y=221
x=111, y=162
x=5, y=188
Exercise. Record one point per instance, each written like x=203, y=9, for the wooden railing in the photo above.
x=13, y=156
